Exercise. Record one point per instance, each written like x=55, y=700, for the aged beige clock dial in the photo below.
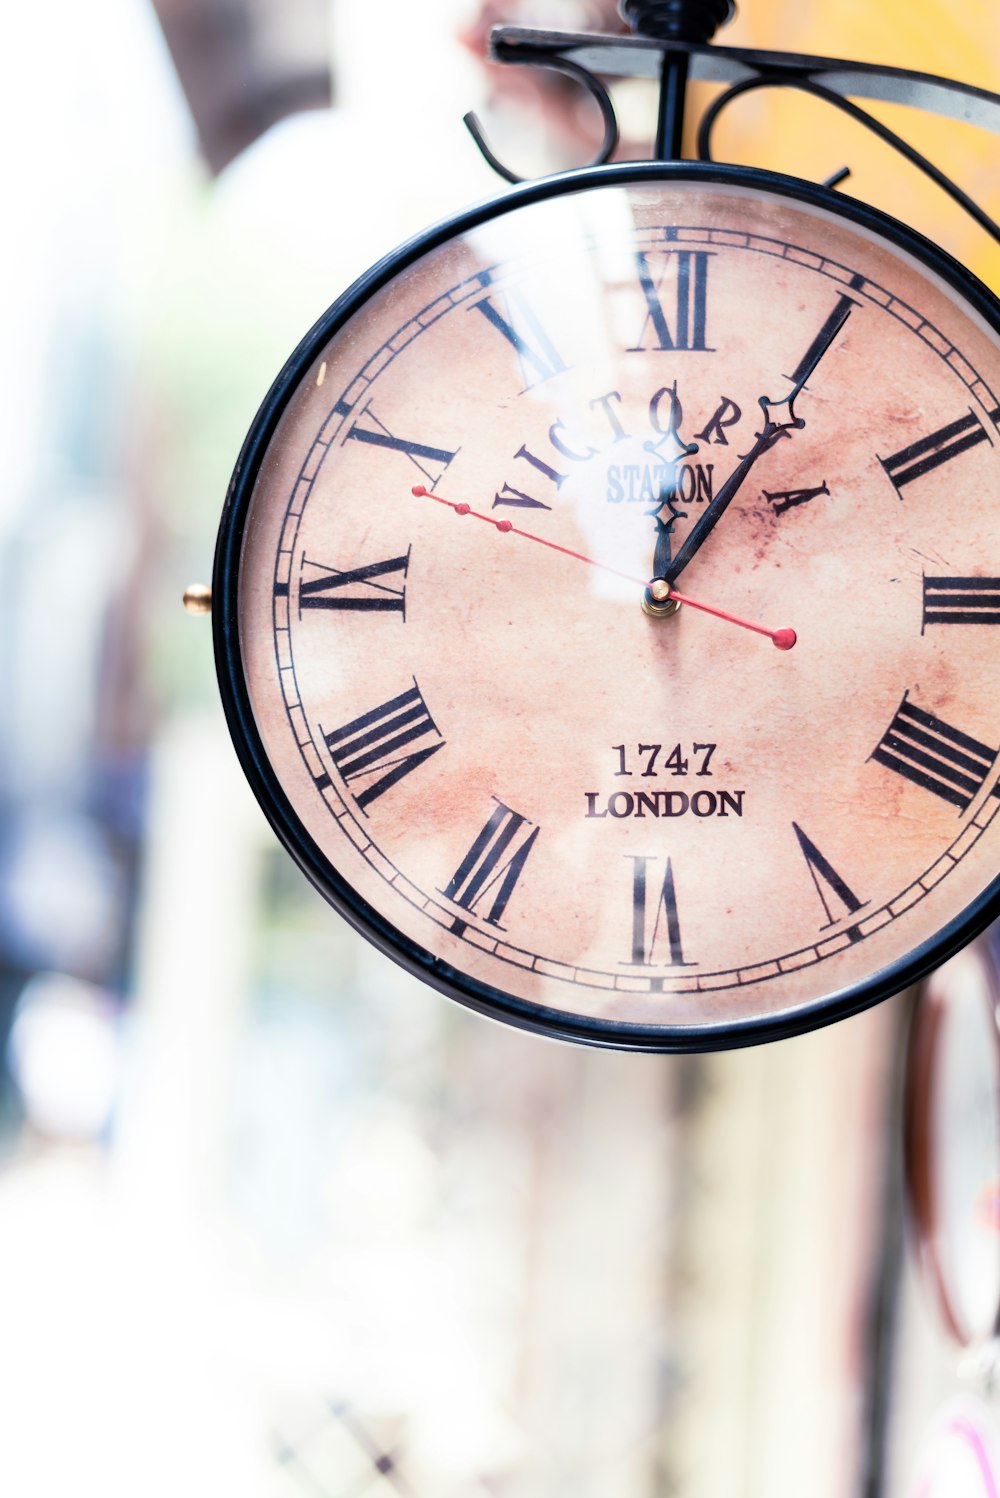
x=607, y=606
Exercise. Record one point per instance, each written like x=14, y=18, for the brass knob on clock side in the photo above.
x=198, y=598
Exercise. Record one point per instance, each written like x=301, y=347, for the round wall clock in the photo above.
x=607, y=606
x=953, y=1144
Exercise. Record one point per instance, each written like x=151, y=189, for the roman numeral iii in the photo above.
x=930, y=452
x=677, y=303
x=961, y=600
x=932, y=754
x=377, y=749
x=486, y=877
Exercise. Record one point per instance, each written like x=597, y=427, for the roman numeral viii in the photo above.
x=492, y=866
x=929, y=752
x=380, y=587
x=659, y=928
x=376, y=750
x=961, y=600
x=684, y=281
x=930, y=452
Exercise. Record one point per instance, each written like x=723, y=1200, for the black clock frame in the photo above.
x=239, y=712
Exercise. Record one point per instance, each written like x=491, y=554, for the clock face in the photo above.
x=639, y=826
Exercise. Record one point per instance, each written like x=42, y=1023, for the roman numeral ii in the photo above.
x=930, y=452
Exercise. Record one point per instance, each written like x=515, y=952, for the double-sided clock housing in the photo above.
x=629, y=825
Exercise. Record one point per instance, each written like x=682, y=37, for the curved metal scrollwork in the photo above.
x=671, y=61
x=581, y=75
x=809, y=86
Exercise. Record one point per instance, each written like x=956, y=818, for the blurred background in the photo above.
x=275, y=1220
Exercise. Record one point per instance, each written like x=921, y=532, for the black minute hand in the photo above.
x=774, y=430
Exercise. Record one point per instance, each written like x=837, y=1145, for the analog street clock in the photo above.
x=607, y=605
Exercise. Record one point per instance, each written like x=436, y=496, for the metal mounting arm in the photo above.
x=673, y=61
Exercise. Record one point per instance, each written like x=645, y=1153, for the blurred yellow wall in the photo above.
x=808, y=138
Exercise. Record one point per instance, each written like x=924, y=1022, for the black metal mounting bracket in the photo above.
x=676, y=50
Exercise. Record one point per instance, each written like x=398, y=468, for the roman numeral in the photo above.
x=358, y=588
x=666, y=926
x=789, y=498
x=930, y=753
x=431, y=461
x=961, y=600
x=688, y=301
x=492, y=866
x=835, y=321
x=524, y=332
x=930, y=452
x=828, y=883
x=370, y=748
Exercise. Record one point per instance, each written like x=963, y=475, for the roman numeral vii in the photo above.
x=489, y=871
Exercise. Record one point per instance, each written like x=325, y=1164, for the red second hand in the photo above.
x=783, y=639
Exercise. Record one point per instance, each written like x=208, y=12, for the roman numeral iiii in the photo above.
x=932, y=754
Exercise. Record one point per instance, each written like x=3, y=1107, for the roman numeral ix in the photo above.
x=930, y=753
x=374, y=751
x=366, y=589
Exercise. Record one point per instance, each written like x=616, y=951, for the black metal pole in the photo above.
x=679, y=21
x=670, y=117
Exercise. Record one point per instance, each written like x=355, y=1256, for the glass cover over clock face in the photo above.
x=648, y=826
